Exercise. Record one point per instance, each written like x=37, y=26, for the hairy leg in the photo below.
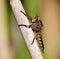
x=41, y=23
x=36, y=36
x=24, y=25
x=28, y=26
x=30, y=19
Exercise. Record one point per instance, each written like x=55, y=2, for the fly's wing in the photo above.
x=30, y=19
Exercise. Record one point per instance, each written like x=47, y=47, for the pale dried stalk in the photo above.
x=27, y=32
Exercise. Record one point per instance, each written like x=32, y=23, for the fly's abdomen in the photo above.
x=40, y=42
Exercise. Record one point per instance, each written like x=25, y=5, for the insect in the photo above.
x=36, y=26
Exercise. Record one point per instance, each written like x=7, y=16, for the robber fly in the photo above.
x=36, y=26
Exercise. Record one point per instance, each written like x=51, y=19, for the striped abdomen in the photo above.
x=40, y=42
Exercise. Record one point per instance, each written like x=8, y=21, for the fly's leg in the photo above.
x=27, y=26
x=24, y=25
x=30, y=19
x=36, y=36
x=41, y=23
